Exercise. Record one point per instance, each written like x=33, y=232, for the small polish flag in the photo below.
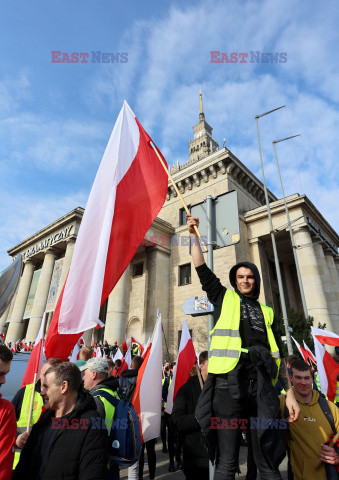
x=310, y=354
x=35, y=361
x=328, y=369
x=118, y=355
x=133, y=340
x=185, y=361
x=147, y=395
x=98, y=353
x=302, y=351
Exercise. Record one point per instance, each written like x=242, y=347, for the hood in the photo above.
x=129, y=373
x=256, y=274
x=111, y=382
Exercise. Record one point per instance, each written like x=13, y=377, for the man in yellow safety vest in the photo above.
x=21, y=402
x=244, y=328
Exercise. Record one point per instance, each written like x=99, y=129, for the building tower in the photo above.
x=203, y=143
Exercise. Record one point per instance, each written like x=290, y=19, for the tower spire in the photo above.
x=201, y=109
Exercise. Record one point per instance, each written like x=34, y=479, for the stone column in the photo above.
x=66, y=264
x=116, y=316
x=260, y=260
x=87, y=336
x=16, y=325
x=158, y=289
x=334, y=284
x=311, y=273
x=41, y=295
x=3, y=319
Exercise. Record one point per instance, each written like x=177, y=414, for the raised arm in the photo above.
x=196, y=252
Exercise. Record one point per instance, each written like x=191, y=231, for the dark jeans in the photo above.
x=151, y=458
x=174, y=446
x=196, y=473
x=225, y=406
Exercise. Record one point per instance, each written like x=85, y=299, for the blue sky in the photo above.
x=55, y=119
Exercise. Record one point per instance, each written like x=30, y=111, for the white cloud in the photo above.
x=172, y=59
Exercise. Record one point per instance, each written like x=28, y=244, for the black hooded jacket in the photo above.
x=252, y=325
x=65, y=448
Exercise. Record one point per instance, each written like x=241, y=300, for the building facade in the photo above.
x=161, y=274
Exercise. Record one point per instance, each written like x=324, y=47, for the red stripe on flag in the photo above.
x=332, y=370
x=136, y=395
x=333, y=341
x=140, y=197
x=186, y=360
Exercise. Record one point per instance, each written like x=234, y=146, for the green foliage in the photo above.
x=301, y=330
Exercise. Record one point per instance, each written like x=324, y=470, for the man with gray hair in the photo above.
x=96, y=379
x=63, y=444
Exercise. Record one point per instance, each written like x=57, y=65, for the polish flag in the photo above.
x=310, y=354
x=146, y=347
x=76, y=350
x=2, y=336
x=125, y=345
x=125, y=362
x=98, y=353
x=302, y=351
x=35, y=361
x=133, y=340
x=127, y=194
x=118, y=355
x=328, y=368
x=147, y=395
x=185, y=360
x=326, y=337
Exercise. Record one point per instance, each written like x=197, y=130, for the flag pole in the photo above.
x=178, y=193
x=35, y=376
x=333, y=442
x=163, y=331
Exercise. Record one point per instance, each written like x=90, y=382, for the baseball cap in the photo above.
x=96, y=364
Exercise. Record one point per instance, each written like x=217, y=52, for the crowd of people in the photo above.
x=240, y=391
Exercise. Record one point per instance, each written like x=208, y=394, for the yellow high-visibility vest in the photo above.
x=225, y=347
x=22, y=423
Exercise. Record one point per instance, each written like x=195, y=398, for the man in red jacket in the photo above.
x=7, y=420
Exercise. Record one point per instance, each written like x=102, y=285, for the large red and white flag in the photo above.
x=302, y=351
x=328, y=369
x=127, y=194
x=310, y=354
x=35, y=361
x=185, y=361
x=147, y=395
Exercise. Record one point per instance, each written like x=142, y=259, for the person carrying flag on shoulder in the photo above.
x=244, y=354
x=319, y=420
x=21, y=402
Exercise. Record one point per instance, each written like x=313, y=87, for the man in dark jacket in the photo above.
x=243, y=340
x=63, y=444
x=195, y=459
